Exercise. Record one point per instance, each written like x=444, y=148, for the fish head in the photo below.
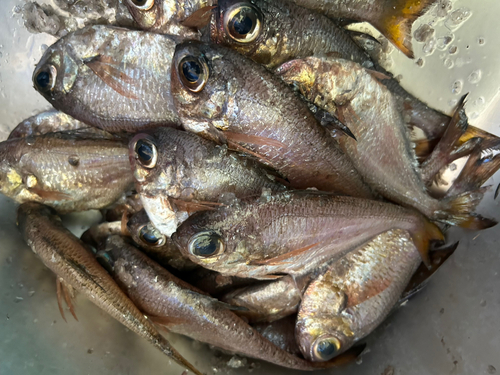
x=204, y=81
x=322, y=338
x=300, y=73
x=163, y=16
x=254, y=29
x=144, y=233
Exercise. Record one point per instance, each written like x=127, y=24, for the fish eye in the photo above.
x=105, y=260
x=45, y=78
x=193, y=72
x=243, y=23
x=325, y=348
x=152, y=236
x=206, y=244
x=142, y=4
x=146, y=153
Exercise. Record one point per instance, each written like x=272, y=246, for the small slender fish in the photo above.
x=177, y=173
x=168, y=16
x=111, y=78
x=393, y=18
x=292, y=233
x=67, y=171
x=49, y=122
x=186, y=310
x=355, y=295
x=73, y=262
x=223, y=96
x=157, y=245
x=382, y=151
x=272, y=32
x=268, y=301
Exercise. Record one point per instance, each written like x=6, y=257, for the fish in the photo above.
x=183, y=309
x=155, y=244
x=292, y=233
x=52, y=121
x=111, y=78
x=167, y=16
x=178, y=173
x=368, y=109
x=271, y=32
x=74, y=263
x=225, y=97
x=266, y=302
x=281, y=333
x=67, y=171
x=355, y=295
x=393, y=18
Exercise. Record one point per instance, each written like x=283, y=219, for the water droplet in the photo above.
x=453, y=50
x=424, y=33
x=473, y=115
x=448, y=63
x=443, y=8
x=475, y=76
x=442, y=42
x=457, y=86
x=429, y=47
x=74, y=160
x=452, y=102
x=481, y=41
x=478, y=102
x=457, y=18
x=453, y=167
x=420, y=62
x=482, y=303
x=492, y=369
x=18, y=299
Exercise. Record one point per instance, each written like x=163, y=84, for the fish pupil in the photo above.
x=149, y=236
x=145, y=151
x=326, y=349
x=242, y=24
x=139, y=2
x=191, y=70
x=43, y=80
x=206, y=245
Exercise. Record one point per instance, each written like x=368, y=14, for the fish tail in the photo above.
x=458, y=210
x=397, y=21
x=162, y=344
x=428, y=232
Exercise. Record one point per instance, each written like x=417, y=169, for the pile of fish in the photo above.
x=259, y=187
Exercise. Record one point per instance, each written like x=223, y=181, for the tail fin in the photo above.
x=398, y=19
x=457, y=210
x=422, y=238
x=481, y=165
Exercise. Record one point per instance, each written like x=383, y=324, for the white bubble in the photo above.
x=448, y=63
x=478, y=102
x=443, y=42
x=457, y=18
x=429, y=47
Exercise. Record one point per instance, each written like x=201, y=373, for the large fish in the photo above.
x=382, y=151
x=355, y=295
x=67, y=171
x=73, y=262
x=272, y=32
x=292, y=233
x=393, y=18
x=172, y=17
x=111, y=78
x=221, y=95
x=178, y=172
x=186, y=310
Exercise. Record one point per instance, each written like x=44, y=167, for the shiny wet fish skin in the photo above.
x=239, y=101
x=283, y=31
x=111, y=78
x=71, y=260
x=67, y=171
x=382, y=152
x=266, y=302
x=166, y=16
x=292, y=233
x=355, y=295
x=193, y=171
x=183, y=309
